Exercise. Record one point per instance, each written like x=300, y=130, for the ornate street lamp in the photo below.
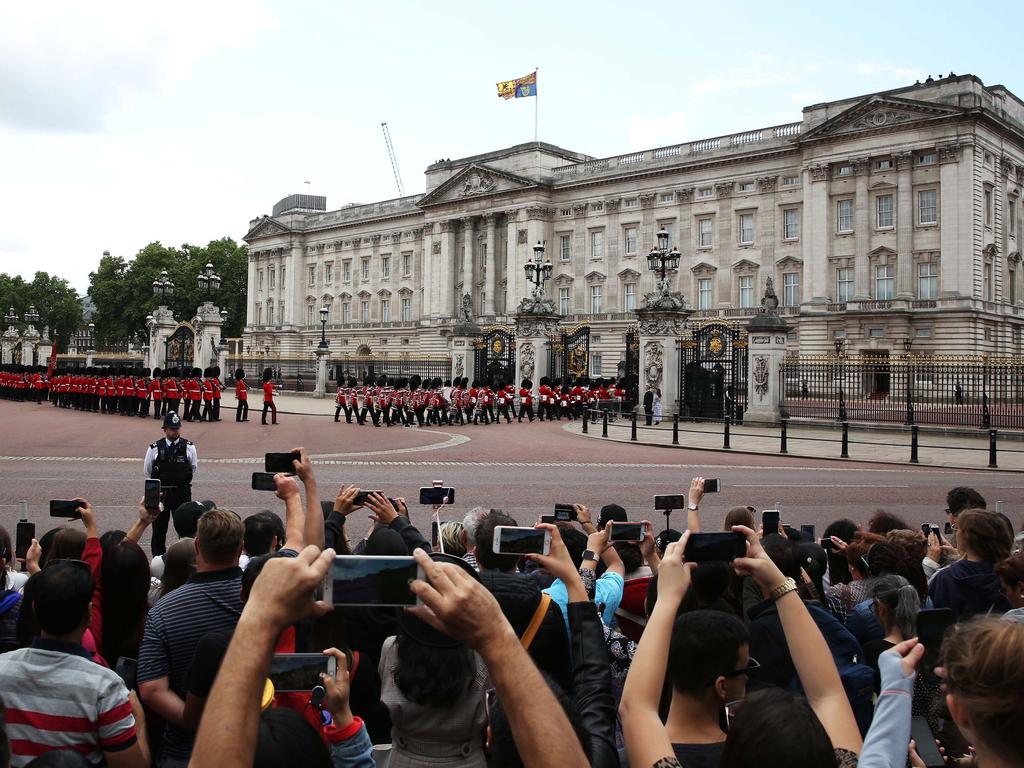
x=91, y=341
x=839, y=343
x=663, y=258
x=538, y=271
x=11, y=318
x=907, y=344
x=208, y=280
x=163, y=286
x=324, y=312
x=31, y=316
x=223, y=321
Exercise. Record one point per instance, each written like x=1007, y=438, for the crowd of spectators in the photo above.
x=801, y=652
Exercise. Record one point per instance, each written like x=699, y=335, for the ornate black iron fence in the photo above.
x=495, y=356
x=985, y=392
x=713, y=372
x=569, y=353
x=292, y=374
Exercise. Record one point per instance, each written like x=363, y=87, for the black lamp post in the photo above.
x=31, y=316
x=907, y=344
x=208, y=280
x=839, y=344
x=91, y=341
x=11, y=318
x=663, y=257
x=324, y=312
x=539, y=270
x=163, y=286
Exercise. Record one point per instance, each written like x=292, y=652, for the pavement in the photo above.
x=49, y=453
x=936, y=447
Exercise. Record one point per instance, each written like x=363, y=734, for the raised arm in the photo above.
x=808, y=649
x=647, y=740
x=693, y=497
x=294, y=515
x=146, y=518
x=314, y=530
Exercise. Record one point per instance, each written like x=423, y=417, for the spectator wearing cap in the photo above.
x=55, y=696
x=174, y=462
x=210, y=600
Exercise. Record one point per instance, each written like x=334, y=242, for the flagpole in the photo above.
x=536, y=103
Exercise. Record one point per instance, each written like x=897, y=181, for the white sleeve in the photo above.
x=193, y=457
x=147, y=463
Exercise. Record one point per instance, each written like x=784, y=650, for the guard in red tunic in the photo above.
x=217, y=389
x=207, y=387
x=172, y=392
x=142, y=393
x=268, y=398
x=241, y=396
x=526, y=400
x=156, y=392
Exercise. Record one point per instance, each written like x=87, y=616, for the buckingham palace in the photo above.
x=886, y=220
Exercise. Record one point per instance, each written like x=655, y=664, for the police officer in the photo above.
x=174, y=462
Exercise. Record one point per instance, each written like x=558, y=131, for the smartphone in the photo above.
x=792, y=533
x=947, y=528
x=151, y=496
x=372, y=580
x=719, y=546
x=67, y=508
x=511, y=540
x=281, y=462
x=564, y=513
x=263, y=481
x=670, y=501
x=999, y=507
x=807, y=532
x=362, y=496
x=300, y=672
x=712, y=485
x=827, y=544
x=924, y=739
x=619, y=531
x=938, y=534
x=549, y=519
x=126, y=669
x=435, y=496
x=26, y=531
x=770, y=521
x=932, y=624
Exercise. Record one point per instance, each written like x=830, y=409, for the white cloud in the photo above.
x=647, y=131
x=66, y=65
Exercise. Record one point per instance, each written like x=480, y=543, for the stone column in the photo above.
x=208, y=325
x=467, y=260
x=532, y=333
x=816, y=239
x=862, y=231
x=323, y=358
x=725, y=242
x=7, y=345
x=904, y=227
x=448, y=302
x=513, y=261
x=659, y=354
x=160, y=329
x=490, y=266
x=766, y=352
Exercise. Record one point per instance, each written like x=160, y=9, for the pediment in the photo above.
x=703, y=266
x=266, y=227
x=596, y=277
x=882, y=251
x=564, y=279
x=745, y=264
x=629, y=274
x=880, y=113
x=790, y=261
x=881, y=185
x=476, y=180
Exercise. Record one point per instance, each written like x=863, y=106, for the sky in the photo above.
x=123, y=123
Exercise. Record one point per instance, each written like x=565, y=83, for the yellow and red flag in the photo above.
x=518, y=88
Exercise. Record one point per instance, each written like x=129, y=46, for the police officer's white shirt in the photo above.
x=193, y=457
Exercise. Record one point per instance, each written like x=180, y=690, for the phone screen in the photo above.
x=712, y=485
x=67, y=508
x=263, y=481
x=670, y=501
x=549, y=519
x=436, y=496
x=564, y=513
x=715, y=547
x=509, y=540
x=281, y=462
x=926, y=528
x=827, y=544
x=126, y=669
x=626, y=531
x=938, y=534
x=23, y=538
x=932, y=624
x=372, y=580
x=924, y=739
x=151, y=496
x=947, y=528
x=770, y=521
x=807, y=531
x=292, y=672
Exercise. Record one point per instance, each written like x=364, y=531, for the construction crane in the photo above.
x=394, y=162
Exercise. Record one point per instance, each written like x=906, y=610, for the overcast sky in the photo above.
x=126, y=122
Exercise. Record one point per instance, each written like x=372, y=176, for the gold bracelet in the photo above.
x=789, y=585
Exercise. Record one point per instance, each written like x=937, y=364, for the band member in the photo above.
x=353, y=401
x=268, y=398
x=195, y=394
x=504, y=397
x=172, y=392
x=341, y=403
x=526, y=400
x=241, y=396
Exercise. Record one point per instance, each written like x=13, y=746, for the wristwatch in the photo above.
x=692, y=507
x=590, y=556
x=789, y=585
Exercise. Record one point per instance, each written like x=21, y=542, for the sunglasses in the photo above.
x=752, y=664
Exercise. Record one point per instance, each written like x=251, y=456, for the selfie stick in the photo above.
x=668, y=513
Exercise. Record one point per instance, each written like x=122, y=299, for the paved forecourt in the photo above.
x=46, y=453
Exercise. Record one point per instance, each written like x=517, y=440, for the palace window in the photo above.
x=746, y=228
x=927, y=209
x=790, y=289
x=705, y=236
x=364, y=311
x=312, y=276
x=595, y=364
x=844, y=284
x=385, y=266
x=346, y=270
x=790, y=224
x=272, y=274
x=563, y=301
x=406, y=264
x=705, y=291
x=366, y=269
x=328, y=273
x=844, y=216
x=630, y=237
x=565, y=247
x=597, y=245
x=385, y=310
x=406, y=309
x=629, y=297
x=928, y=280
x=885, y=282
x=883, y=211
x=346, y=312
x=746, y=291
x=595, y=299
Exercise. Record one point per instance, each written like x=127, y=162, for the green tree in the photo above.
x=58, y=305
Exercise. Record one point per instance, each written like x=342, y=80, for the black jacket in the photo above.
x=648, y=401
x=591, y=694
x=518, y=596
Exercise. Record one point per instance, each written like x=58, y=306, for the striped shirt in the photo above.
x=57, y=698
x=207, y=602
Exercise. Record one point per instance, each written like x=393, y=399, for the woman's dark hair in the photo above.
x=432, y=677
x=882, y=522
x=68, y=544
x=60, y=596
x=902, y=600
x=110, y=539
x=632, y=557
x=961, y=498
x=6, y=555
x=776, y=728
x=179, y=565
x=838, y=568
x=886, y=557
x=286, y=738
x=1011, y=570
x=125, y=600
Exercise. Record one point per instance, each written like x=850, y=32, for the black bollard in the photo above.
x=604, y=423
x=586, y=418
x=913, y=444
x=632, y=429
x=725, y=443
x=846, y=441
x=675, y=429
x=784, y=448
x=992, y=449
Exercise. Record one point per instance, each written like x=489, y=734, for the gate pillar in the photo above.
x=766, y=353
x=532, y=333
x=659, y=354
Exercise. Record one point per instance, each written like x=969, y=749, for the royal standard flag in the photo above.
x=518, y=88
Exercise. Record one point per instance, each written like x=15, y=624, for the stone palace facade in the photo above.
x=883, y=218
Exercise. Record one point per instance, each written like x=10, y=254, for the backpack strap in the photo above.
x=538, y=617
x=8, y=601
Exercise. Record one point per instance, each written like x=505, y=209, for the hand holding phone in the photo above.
x=151, y=495
x=669, y=501
x=718, y=546
x=263, y=481
x=624, y=531
x=381, y=581
x=26, y=531
x=565, y=513
x=436, y=495
x=770, y=522
x=66, y=508
x=281, y=462
x=514, y=540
